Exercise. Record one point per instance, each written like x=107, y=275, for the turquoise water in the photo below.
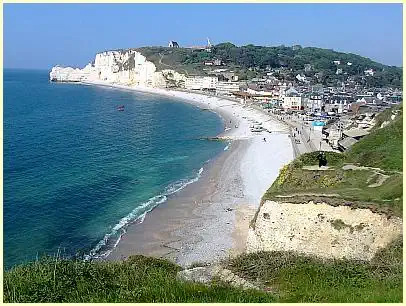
x=76, y=170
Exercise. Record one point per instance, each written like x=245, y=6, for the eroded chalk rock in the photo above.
x=322, y=230
x=206, y=275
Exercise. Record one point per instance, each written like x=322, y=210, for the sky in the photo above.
x=39, y=36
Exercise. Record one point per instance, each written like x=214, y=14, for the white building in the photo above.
x=292, y=100
x=301, y=78
x=282, y=90
x=201, y=83
x=260, y=92
x=226, y=88
x=313, y=102
x=369, y=72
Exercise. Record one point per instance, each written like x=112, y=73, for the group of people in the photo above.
x=299, y=132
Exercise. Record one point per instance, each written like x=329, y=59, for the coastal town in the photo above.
x=328, y=118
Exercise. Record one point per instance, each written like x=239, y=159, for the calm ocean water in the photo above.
x=76, y=170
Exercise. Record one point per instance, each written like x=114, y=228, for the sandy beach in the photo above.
x=208, y=220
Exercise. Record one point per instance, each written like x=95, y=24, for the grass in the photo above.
x=297, y=278
x=386, y=116
x=380, y=149
x=310, y=159
x=383, y=148
x=350, y=186
x=282, y=276
x=172, y=58
x=138, y=279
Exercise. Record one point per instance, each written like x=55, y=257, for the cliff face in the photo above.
x=121, y=67
x=322, y=230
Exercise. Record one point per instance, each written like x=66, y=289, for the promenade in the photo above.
x=303, y=136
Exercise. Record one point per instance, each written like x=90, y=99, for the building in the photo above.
x=313, y=102
x=369, y=72
x=307, y=67
x=292, y=100
x=227, y=88
x=201, y=83
x=173, y=44
x=216, y=62
x=345, y=143
x=301, y=78
x=337, y=62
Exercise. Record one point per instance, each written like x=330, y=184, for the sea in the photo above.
x=78, y=171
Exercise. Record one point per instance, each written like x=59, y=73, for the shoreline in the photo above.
x=185, y=228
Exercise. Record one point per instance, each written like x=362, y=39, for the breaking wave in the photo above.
x=110, y=241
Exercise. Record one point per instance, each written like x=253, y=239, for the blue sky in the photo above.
x=43, y=35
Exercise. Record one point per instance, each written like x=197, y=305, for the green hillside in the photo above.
x=248, y=61
x=384, y=147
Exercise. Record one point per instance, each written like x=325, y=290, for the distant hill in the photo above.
x=250, y=61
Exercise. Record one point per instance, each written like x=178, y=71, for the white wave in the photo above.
x=137, y=214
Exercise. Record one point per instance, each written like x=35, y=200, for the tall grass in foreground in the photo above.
x=283, y=276
x=295, y=278
x=139, y=279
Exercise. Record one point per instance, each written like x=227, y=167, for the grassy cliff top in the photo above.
x=368, y=176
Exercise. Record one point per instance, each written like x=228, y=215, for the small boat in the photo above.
x=120, y=108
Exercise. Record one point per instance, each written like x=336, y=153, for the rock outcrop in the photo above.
x=207, y=274
x=116, y=67
x=322, y=230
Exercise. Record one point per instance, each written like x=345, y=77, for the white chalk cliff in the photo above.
x=127, y=67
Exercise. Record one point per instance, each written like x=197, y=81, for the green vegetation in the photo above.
x=281, y=276
x=248, y=60
x=339, y=224
x=336, y=186
x=182, y=60
x=294, y=278
x=386, y=115
x=383, y=148
x=310, y=159
x=138, y=279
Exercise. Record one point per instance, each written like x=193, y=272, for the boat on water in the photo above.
x=120, y=108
